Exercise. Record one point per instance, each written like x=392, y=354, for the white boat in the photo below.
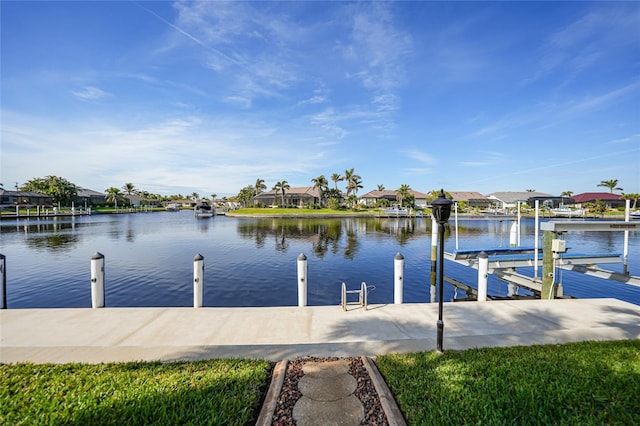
x=172, y=207
x=567, y=212
x=204, y=209
x=395, y=210
x=634, y=215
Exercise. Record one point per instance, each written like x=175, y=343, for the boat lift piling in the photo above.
x=502, y=262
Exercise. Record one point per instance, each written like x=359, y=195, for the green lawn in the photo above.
x=574, y=384
x=220, y=392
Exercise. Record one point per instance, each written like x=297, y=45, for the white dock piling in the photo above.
x=3, y=282
x=483, y=275
x=513, y=235
x=536, y=241
x=97, y=280
x=625, y=247
x=398, y=274
x=302, y=280
x=198, y=280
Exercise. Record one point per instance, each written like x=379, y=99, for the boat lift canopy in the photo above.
x=603, y=225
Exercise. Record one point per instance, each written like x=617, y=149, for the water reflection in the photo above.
x=330, y=235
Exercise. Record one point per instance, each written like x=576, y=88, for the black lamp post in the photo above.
x=441, y=208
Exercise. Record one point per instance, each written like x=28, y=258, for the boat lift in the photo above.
x=503, y=261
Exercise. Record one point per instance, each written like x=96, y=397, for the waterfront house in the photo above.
x=371, y=198
x=24, y=199
x=612, y=201
x=509, y=200
x=299, y=196
x=471, y=199
x=90, y=197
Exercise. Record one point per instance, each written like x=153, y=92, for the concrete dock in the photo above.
x=276, y=333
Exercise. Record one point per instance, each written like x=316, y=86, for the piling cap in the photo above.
x=398, y=256
x=301, y=256
x=483, y=255
x=198, y=257
x=97, y=255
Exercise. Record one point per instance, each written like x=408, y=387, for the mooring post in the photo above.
x=547, y=265
x=3, y=282
x=97, y=280
x=625, y=246
x=536, y=241
x=198, y=280
x=483, y=275
x=302, y=280
x=398, y=268
x=513, y=235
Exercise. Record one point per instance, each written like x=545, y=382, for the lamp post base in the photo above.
x=439, y=339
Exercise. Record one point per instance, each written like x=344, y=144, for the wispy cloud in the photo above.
x=90, y=94
x=582, y=43
x=418, y=156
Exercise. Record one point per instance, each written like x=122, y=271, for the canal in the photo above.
x=252, y=262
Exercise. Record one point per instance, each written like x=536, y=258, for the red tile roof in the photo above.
x=586, y=197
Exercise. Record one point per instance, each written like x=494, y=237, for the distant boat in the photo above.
x=634, y=215
x=395, y=210
x=567, y=212
x=203, y=209
x=172, y=207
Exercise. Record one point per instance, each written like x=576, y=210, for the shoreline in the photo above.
x=337, y=215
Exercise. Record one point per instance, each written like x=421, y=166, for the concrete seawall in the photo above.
x=275, y=333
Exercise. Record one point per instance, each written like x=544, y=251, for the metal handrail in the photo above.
x=362, y=293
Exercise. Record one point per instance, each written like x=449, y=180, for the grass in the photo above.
x=215, y=392
x=575, y=384
x=590, y=383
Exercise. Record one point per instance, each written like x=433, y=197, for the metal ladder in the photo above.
x=362, y=296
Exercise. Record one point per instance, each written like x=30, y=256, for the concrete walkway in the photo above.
x=277, y=333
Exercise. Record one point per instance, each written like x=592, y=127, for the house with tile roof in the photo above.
x=611, y=200
x=371, y=198
x=299, y=196
x=471, y=199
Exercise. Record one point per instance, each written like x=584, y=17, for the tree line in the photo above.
x=64, y=192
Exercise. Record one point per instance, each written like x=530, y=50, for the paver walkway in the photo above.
x=328, y=396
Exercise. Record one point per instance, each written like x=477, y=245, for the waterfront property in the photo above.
x=295, y=196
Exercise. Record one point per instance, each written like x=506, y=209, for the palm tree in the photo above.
x=195, y=196
x=567, y=194
x=282, y=186
x=632, y=197
x=112, y=194
x=321, y=184
x=129, y=189
x=336, y=178
x=380, y=187
x=531, y=190
x=612, y=184
x=259, y=186
x=353, y=180
x=403, y=193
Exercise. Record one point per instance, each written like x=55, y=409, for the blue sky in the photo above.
x=207, y=97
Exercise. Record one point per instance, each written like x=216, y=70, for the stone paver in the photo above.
x=327, y=396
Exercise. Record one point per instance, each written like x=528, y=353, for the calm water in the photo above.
x=252, y=262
